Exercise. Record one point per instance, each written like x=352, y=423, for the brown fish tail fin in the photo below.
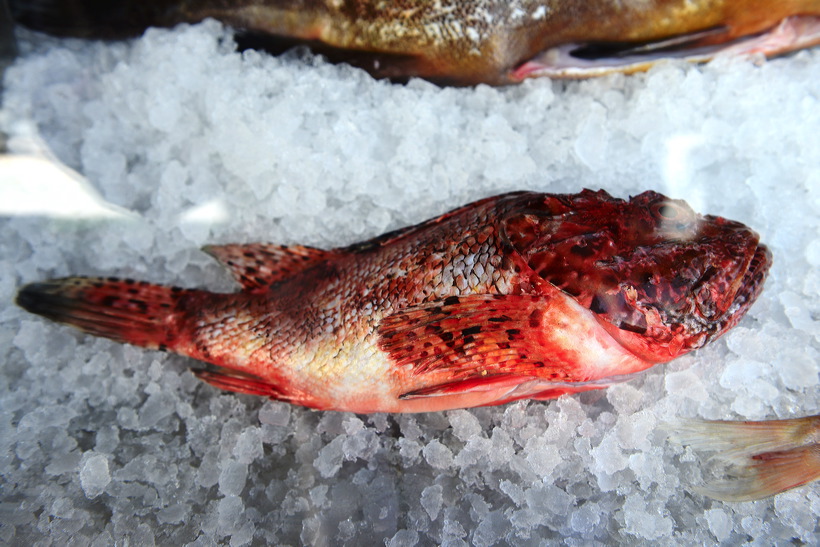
x=124, y=310
x=767, y=457
x=103, y=19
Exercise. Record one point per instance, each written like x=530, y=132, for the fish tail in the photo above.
x=767, y=457
x=105, y=19
x=124, y=310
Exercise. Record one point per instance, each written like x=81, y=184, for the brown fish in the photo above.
x=466, y=42
x=768, y=457
x=523, y=295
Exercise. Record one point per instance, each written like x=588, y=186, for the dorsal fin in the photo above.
x=392, y=237
x=257, y=266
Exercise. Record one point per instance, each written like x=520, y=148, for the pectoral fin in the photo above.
x=509, y=346
x=489, y=348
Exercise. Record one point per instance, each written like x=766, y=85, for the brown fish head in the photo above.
x=662, y=279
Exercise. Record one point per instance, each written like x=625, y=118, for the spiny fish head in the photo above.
x=662, y=279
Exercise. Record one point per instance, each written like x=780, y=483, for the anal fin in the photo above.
x=472, y=385
x=249, y=384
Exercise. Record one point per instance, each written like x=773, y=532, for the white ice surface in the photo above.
x=105, y=443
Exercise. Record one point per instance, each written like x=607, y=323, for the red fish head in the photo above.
x=662, y=279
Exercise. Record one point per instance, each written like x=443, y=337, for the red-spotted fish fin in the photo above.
x=767, y=457
x=257, y=266
x=128, y=311
x=487, y=343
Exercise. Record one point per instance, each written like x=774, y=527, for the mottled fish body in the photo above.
x=522, y=295
x=465, y=42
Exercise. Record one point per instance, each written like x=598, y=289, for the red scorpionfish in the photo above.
x=523, y=295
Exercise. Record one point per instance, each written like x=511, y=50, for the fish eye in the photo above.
x=667, y=211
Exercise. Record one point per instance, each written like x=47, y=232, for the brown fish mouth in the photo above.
x=585, y=60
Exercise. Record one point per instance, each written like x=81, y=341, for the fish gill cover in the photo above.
x=105, y=442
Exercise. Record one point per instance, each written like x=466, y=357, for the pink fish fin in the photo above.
x=239, y=382
x=480, y=343
x=134, y=312
x=765, y=458
x=257, y=266
x=579, y=60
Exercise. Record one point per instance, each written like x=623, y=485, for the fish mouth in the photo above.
x=586, y=60
x=750, y=287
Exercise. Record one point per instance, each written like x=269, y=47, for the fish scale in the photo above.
x=486, y=304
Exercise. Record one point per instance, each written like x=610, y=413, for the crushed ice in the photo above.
x=106, y=444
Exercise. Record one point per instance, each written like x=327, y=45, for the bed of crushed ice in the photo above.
x=188, y=142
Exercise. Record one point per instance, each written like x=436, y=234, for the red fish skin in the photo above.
x=489, y=303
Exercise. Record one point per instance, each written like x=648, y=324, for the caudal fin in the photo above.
x=767, y=457
x=106, y=19
x=124, y=310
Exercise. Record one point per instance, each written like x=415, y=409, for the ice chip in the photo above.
x=330, y=458
x=465, y=424
x=438, y=455
x=624, y=397
x=800, y=317
x=431, y=500
x=644, y=521
x=232, y=478
x=404, y=538
x=275, y=413
x=94, y=475
x=249, y=445
x=799, y=370
x=230, y=513
x=607, y=456
x=585, y=518
x=158, y=406
x=543, y=457
x=719, y=524
x=491, y=529
x=174, y=514
x=685, y=383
